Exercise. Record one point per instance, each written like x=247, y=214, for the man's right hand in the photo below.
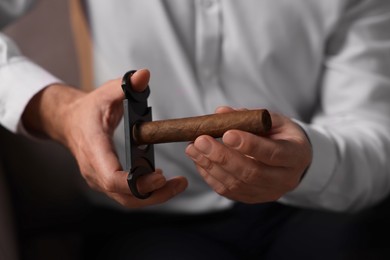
x=85, y=123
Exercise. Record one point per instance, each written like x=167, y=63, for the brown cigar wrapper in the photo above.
x=188, y=129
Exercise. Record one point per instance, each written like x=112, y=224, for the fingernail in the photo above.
x=179, y=187
x=203, y=145
x=192, y=152
x=232, y=139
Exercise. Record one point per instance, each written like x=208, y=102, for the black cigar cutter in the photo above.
x=139, y=159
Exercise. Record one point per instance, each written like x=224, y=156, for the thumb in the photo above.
x=113, y=91
x=110, y=90
x=140, y=80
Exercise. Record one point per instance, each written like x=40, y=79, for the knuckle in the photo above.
x=86, y=172
x=206, y=164
x=108, y=185
x=88, y=178
x=248, y=174
x=274, y=155
x=222, y=158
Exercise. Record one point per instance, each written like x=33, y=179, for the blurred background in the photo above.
x=41, y=205
x=44, y=35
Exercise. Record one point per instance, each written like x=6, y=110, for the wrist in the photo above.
x=45, y=114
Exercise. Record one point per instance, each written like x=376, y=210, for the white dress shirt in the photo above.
x=326, y=64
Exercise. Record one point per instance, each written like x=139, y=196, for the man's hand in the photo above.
x=250, y=168
x=85, y=123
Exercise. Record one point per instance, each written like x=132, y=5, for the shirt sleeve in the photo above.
x=350, y=132
x=20, y=79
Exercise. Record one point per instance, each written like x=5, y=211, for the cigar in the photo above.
x=188, y=129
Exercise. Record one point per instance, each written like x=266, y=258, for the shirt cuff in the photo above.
x=320, y=170
x=20, y=80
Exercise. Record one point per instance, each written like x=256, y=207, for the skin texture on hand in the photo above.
x=250, y=168
x=85, y=124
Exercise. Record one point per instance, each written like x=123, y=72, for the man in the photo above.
x=318, y=66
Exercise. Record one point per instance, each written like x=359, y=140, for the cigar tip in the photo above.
x=267, y=121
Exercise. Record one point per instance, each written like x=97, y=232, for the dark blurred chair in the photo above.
x=47, y=204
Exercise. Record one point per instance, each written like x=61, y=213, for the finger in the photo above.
x=116, y=182
x=236, y=193
x=211, y=168
x=271, y=152
x=224, y=109
x=214, y=183
x=140, y=80
x=228, y=166
x=172, y=188
x=237, y=176
x=151, y=182
x=108, y=172
x=227, y=109
x=111, y=90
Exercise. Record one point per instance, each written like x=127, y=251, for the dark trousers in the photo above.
x=263, y=231
x=54, y=221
